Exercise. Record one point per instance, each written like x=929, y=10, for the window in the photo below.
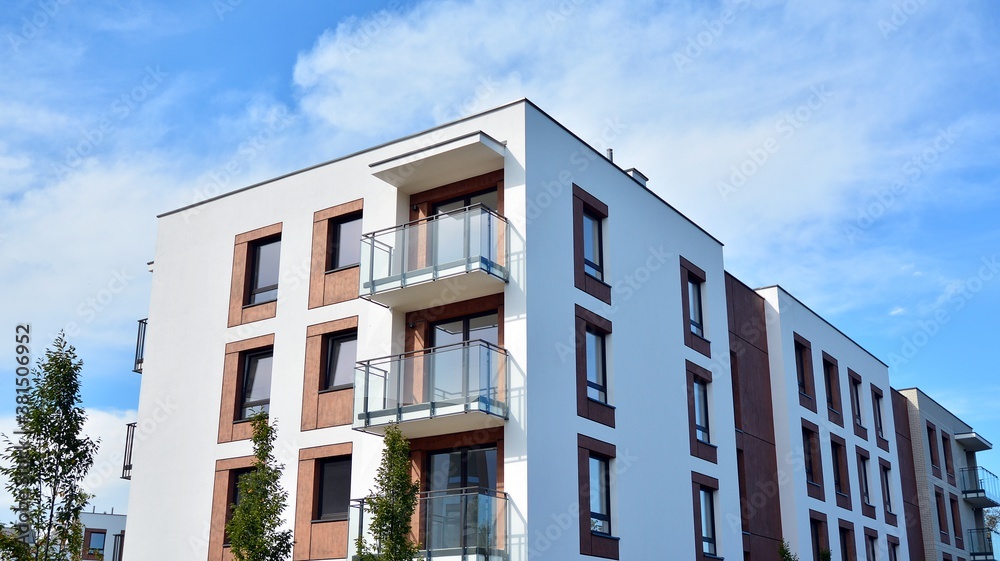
x=813, y=460
x=341, y=356
x=942, y=514
x=256, y=386
x=597, y=388
x=699, y=413
x=893, y=547
x=254, y=290
x=93, y=543
x=841, y=477
x=877, y=415
x=932, y=444
x=693, y=307
x=864, y=482
x=848, y=547
x=818, y=534
x=600, y=495
x=334, y=495
x=345, y=242
x=804, y=372
x=956, y=521
x=595, y=467
x=949, y=465
x=234, y=494
x=708, y=544
x=589, y=216
x=592, y=374
x=264, y=279
x=885, y=477
x=871, y=545
x=856, y=412
x=831, y=382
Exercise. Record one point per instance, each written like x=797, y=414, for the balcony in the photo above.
x=440, y=390
x=468, y=524
x=127, y=461
x=981, y=544
x=980, y=487
x=140, y=346
x=399, y=265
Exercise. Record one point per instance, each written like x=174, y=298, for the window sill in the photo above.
x=603, y=535
x=254, y=305
x=595, y=279
x=700, y=441
x=344, y=268
x=342, y=518
x=590, y=399
x=337, y=388
x=241, y=421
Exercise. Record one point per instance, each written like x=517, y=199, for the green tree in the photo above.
x=253, y=530
x=44, y=467
x=391, y=504
x=991, y=516
x=785, y=552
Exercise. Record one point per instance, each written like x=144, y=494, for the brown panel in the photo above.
x=956, y=521
x=250, y=344
x=932, y=445
x=229, y=428
x=890, y=517
x=341, y=285
x=590, y=543
x=317, y=540
x=584, y=201
x=238, y=313
x=844, y=496
x=699, y=449
x=880, y=439
x=942, y=515
x=853, y=377
x=807, y=398
x=949, y=464
x=867, y=509
x=691, y=271
x=461, y=189
x=330, y=408
x=328, y=539
x=259, y=233
x=835, y=403
x=220, y=505
x=814, y=489
x=457, y=309
x=585, y=407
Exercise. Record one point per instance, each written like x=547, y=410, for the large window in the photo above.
x=813, y=460
x=879, y=419
x=233, y=494
x=593, y=242
x=589, y=218
x=334, y=489
x=593, y=375
x=600, y=494
x=831, y=382
x=595, y=463
x=818, y=534
x=856, y=411
x=693, y=281
x=942, y=514
x=956, y=521
x=345, y=242
x=932, y=445
x=871, y=546
x=804, y=372
x=708, y=541
x=949, y=464
x=841, y=473
x=341, y=356
x=864, y=482
x=264, y=276
x=597, y=388
x=93, y=543
x=697, y=322
x=848, y=548
x=699, y=413
x=256, y=386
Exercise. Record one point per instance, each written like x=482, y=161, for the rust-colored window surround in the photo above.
x=240, y=309
x=701, y=447
x=422, y=204
x=231, y=427
x=932, y=445
x=871, y=544
x=331, y=282
x=856, y=410
x=585, y=203
x=818, y=533
x=946, y=557
x=587, y=407
x=893, y=542
x=692, y=274
x=592, y=543
x=956, y=521
x=949, y=464
x=705, y=540
x=223, y=495
x=841, y=472
x=942, y=515
x=848, y=545
x=321, y=407
x=317, y=539
x=865, y=482
x=804, y=372
x=878, y=418
x=90, y=552
x=813, y=458
x=831, y=379
x=885, y=480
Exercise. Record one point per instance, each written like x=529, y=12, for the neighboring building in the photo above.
x=552, y=397
x=103, y=535
x=945, y=488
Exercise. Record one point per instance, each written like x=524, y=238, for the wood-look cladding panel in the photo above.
x=747, y=319
x=907, y=475
x=763, y=512
x=754, y=390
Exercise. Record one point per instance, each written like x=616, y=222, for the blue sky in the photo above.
x=847, y=151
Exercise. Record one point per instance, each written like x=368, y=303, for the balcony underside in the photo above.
x=979, y=499
x=433, y=286
x=432, y=419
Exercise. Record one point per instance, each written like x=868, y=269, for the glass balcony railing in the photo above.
x=980, y=487
x=470, y=524
x=470, y=240
x=981, y=544
x=127, y=459
x=467, y=377
x=140, y=346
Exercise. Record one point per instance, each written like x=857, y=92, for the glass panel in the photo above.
x=334, y=489
x=600, y=517
x=707, y=521
x=265, y=272
x=341, y=356
x=449, y=234
x=701, y=411
x=482, y=468
x=592, y=246
x=694, y=306
x=486, y=328
x=347, y=243
x=446, y=369
x=257, y=384
x=97, y=542
x=488, y=199
x=595, y=367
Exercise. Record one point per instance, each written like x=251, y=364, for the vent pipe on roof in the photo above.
x=611, y=155
x=637, y=175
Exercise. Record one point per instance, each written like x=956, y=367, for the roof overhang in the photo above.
x=973, y=442
x=443, y=163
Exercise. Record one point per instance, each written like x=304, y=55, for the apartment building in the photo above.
x=837, y=453
x=610, y=393
x=103, y=535
x=945, y=488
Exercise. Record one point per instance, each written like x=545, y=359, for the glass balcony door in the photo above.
x=454, y=241
x=455, y=518
x=453, y=376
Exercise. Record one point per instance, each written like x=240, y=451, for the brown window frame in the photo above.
x=812, y=455
x=318, y=539
x=701, y=481
x=932, y=444
x=885, y=480
x=585, y=203
x=831, y=381
x=865, y=481
x=699, y=448
x=240, y=311
x=805, y=377
x=86, y=543
x=323, y=408
x=231, y=427
x=893, y=547
x=592, y=543
x=949, y=463
x=956, y=520
x=586, y=407
x=849, y=553
x=942, y=515
x=693, y=273
x=819, y=533
x=871, y=544
x=878, y=418
x=857, y=412
x=841, y=471
x=330, y=286
x=222, y=497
